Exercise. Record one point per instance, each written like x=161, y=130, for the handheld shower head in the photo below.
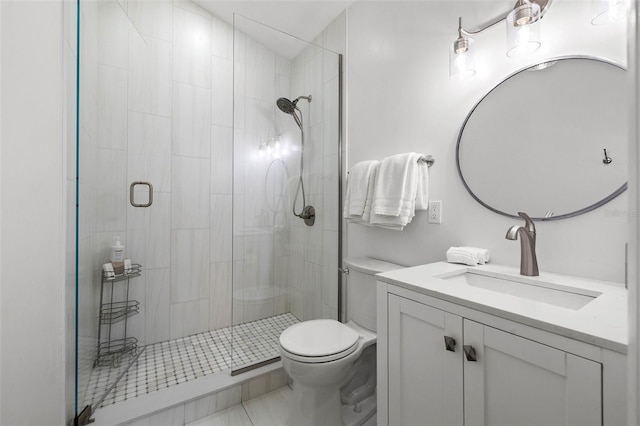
x=286, y=105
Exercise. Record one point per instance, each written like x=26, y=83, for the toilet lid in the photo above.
x=317, y=338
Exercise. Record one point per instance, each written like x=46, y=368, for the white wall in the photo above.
x=633, y=355
x=32, y=385
x=401, y=99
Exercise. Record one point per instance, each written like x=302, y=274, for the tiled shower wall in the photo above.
x=164, y=87
x=280, y=264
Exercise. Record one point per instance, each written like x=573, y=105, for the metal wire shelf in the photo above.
x=110, y=349
x=117, y=311
x=134, y=271
x=111, y=352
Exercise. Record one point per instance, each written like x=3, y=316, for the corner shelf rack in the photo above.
x=111, y=349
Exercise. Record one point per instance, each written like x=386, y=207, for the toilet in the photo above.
x=333, y=365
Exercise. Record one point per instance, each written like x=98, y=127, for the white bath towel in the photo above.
x=422, y=192
x=396, y=186
x=358, y=187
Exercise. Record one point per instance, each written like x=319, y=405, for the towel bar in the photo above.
x=427, y=159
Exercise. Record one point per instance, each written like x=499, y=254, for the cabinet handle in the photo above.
x=450, y=343
x=470, y=353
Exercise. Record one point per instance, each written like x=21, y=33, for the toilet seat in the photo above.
x=318, y=341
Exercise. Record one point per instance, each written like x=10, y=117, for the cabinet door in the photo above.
x=425, y=379
x=515, y=381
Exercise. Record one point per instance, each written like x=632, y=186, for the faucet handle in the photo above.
x=529, y=225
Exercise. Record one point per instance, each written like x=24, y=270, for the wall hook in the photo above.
x=606, y=159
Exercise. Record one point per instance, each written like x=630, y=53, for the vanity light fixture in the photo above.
x=462, y=62
x=523, y=36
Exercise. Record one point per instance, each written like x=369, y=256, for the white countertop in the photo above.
x=602, y=322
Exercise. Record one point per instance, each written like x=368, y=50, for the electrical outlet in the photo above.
x=435, y=211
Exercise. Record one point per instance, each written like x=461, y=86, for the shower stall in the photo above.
x=212, y=149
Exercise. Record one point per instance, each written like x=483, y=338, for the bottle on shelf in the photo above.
x=117, y=256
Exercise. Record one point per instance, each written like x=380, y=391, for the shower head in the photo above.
x=287, y=106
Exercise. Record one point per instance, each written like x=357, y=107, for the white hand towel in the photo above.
x=481, y=254
x=396, y=185
x=471, y=256
x=358, y=183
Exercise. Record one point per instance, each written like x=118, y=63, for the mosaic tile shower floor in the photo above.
x=170, y=363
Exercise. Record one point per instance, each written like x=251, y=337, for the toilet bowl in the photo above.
x=333, y=379
x=322, y=368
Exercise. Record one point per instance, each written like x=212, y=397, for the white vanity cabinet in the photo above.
x=498, y=372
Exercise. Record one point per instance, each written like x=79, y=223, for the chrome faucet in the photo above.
x=528, y=260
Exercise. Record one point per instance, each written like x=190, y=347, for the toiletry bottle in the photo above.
x=117, y=251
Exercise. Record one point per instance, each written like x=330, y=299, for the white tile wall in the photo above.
x=158, y=301
x=150, y=65
x=113, y=34
x=189, y=265
x=112, y=107
x=191, y=48
x=149, y=154
x=191, y=129
x=221, y=233
x=221, y=38
x=189, y=318
x=219, y=295
x=190, y=192
x=221, y=159
x=152, y=18
x=111, y=204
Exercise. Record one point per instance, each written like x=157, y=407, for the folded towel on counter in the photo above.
x=396, y=186
x=471, y=256
x=359, y=185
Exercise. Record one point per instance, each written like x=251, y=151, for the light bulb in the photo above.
x=523, y=30
x=461, y=61
x=461, y=65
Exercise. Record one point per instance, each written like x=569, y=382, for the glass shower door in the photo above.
x=284, y=270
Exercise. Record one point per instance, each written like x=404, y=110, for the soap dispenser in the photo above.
x=117, y=251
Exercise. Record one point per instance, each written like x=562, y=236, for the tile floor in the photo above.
x=165, y=364
x=267, y=410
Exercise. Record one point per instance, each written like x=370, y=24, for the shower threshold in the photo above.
x=163, y=365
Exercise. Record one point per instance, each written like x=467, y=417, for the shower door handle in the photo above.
x=132, y=199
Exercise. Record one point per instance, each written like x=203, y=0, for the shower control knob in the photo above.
x=308, y=215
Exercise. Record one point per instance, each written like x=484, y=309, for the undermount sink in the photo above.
x=532, y=288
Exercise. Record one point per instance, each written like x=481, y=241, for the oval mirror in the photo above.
x=536, y=142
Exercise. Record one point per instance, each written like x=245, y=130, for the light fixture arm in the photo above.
x=544, y=5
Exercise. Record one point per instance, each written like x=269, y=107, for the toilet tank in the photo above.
x=361, y=289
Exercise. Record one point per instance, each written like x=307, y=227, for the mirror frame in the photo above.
x=586, y=209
